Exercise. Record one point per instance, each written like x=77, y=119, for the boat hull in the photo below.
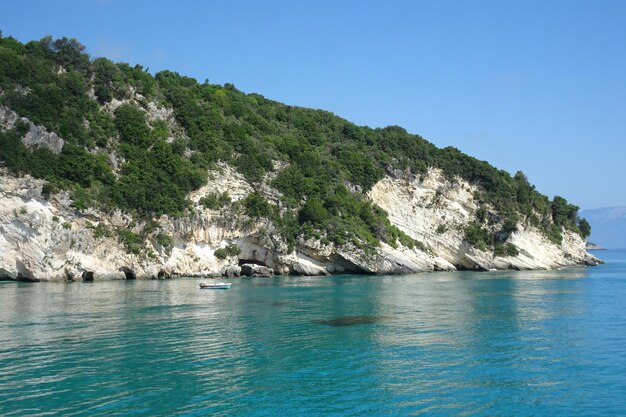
x=218, y=286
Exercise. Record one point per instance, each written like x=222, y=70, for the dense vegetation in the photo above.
x=330, y=162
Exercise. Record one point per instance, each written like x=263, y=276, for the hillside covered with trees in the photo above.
x=118, y=157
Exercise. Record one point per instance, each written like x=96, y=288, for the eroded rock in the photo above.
x=49, y=240
x=254, y=270
x=232, y=271
x=36, y=136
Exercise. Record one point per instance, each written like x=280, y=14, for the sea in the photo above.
x=535, y=343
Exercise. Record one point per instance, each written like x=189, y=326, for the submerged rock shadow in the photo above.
x=283, y=303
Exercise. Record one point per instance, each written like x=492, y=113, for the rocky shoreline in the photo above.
x=49, y=240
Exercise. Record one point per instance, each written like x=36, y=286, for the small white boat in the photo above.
x=215, y=286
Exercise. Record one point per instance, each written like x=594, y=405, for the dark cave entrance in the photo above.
x=251, y=261
x=128, y=273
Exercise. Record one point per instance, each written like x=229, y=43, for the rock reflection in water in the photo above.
x=352, y=320
x=282, y=303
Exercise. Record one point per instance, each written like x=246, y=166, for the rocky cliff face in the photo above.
x=49, y=240
x=36, y=135
x=118, y=137
x=435, y=211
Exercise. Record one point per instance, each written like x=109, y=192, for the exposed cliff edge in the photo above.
x=110, y=172
x=50, y=240
x=436, y=211
x=593, y=246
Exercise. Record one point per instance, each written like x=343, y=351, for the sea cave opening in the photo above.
x=251, y=261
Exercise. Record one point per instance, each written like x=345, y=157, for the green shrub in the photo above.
x=313, y=211
x=508, y=249
x=101, y=231
x=322, y=152
x=130, y=240
x=47, y=189
x=230, y=250
x=132, y=126
x=165, y=240
x=477, y=236
x=220, y=253
x=81, y=198
x=215, y=201
x=554, y=234
x=256, y=206
x=585, y=228
x=407, y=241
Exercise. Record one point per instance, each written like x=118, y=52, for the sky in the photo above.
x=537, y=86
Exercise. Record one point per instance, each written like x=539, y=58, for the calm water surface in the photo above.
x=472, y=344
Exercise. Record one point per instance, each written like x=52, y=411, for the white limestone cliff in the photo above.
x=48, y=239
x=435, y=211
x=35, y=136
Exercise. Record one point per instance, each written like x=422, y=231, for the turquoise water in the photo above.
x=472, y=344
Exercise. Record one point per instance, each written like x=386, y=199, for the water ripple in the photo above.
x=446, y=344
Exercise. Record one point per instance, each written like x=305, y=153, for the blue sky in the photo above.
x=537, y=86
